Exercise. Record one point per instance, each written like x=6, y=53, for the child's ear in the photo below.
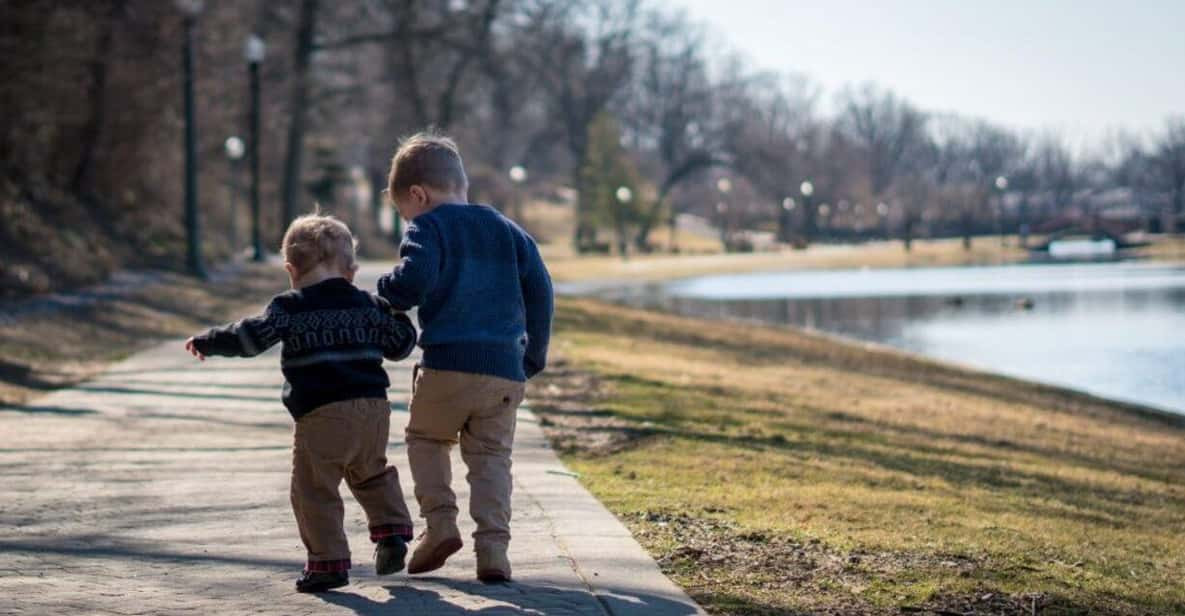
x=418, y=195
x=291, y=269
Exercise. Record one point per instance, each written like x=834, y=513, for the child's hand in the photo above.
x=193, y=350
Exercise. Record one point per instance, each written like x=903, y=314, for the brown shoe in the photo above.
x=441, y=540
x=493, y=565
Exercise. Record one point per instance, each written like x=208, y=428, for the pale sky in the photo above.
x=1081, y=68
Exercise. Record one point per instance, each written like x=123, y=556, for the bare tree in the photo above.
x=772, y=146
x=584, y=58
x=302, y=53
x=1057, y=174
x=888, y=129
x=671, y=111
x=1169, y=157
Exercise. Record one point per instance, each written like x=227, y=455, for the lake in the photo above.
x=1112, y=329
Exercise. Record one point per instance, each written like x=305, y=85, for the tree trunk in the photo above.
x=81, y=182
x=649, y=220
x=299, y=109
x=378, y=181
x=967, y=219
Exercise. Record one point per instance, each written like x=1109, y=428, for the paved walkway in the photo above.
x=162, y=487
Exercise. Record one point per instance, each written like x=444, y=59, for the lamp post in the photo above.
x=806, y=189
x=190, y=9
x=882, y=212
x=254, y=51
x=1001, y=184
x=624, y=195
x=234, y=153
x=784, y=214
x=724, y=185
x=518, y=175
x=722, y=215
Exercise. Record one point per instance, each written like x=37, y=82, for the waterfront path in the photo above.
x=161, y=487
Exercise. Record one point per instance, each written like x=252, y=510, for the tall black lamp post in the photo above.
x=724, y=185
x=806, y=189
x=254, y=51
x=235, y=148
x=784, y=214
x=190, y=9
x=518, y=175
x=1001, y=185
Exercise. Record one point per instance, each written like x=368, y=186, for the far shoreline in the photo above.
x=1165, y=251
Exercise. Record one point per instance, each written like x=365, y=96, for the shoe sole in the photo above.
x=393, y=563
x=436, y=559
x=322, y=587
x=493, y=576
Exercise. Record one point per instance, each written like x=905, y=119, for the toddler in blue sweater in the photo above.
x=485, y=308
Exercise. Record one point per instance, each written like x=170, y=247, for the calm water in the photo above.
x=1114, y=329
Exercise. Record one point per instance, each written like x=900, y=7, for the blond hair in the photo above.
x=428, y=159
x=315, y=239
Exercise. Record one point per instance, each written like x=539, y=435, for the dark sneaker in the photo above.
x=389, y=555
x=321, y=581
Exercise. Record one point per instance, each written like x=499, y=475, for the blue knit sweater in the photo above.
x=484, y=295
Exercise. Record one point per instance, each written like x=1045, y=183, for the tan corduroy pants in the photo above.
x=344, y=440
x=478, y=411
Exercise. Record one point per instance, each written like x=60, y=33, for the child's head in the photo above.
x=319, y=243
x=425, y=172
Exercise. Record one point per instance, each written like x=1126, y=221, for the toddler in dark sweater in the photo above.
x=334, y=338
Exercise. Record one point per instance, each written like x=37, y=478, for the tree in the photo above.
x=966, y=157
x=888, y=129
x=670, y=111
x=581, y=70
x=1169, y=161
x=302, y=54
x=607, y=170
x=772, y=142
x=1057, y=174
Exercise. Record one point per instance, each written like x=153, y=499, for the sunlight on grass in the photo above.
x=922, y=484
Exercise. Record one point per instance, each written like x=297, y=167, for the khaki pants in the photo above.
x=478, y=411
x=346, y=439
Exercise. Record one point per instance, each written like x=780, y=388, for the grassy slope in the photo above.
x=60, y=345
x=781, y=472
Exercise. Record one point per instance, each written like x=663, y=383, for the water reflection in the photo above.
x=1117, y=330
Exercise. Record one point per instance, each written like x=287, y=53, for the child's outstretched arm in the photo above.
x=399, y=335
x=246, y=338
x=415, y=275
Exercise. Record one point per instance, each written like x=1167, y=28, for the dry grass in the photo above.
x=984, y=251
x=777, y=472
x=57, y=344
x=1164, y=248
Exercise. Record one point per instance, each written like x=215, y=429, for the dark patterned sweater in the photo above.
x=334, y=337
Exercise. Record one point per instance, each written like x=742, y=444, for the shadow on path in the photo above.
x=36, y=409
x=77, y=547
x=511, y=598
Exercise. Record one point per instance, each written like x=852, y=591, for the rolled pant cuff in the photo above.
x=327, y=566
x=378, y=533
